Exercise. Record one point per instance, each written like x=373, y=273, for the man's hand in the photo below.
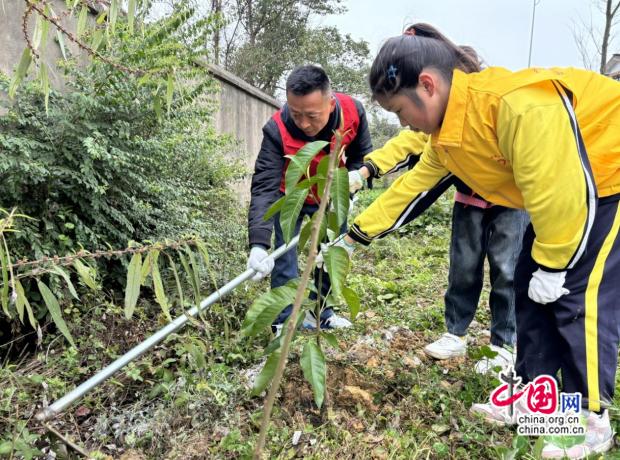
x=259, y=262
x=342, y=242
x=356, y=181
x=546, y=287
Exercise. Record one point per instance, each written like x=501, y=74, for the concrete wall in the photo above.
x=13, y=42
x=243, y=112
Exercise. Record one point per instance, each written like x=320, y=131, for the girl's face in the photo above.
x=422, y=108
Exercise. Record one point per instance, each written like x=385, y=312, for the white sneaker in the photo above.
x=599, y=439
x=503, y=359
x=500, y=416
x=333, y=322
x=448, y=346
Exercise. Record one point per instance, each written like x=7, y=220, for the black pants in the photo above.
x=578, y=334
x=494, y=233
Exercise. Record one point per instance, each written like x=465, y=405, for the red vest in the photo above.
x=349, y=121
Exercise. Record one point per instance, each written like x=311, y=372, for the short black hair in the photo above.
x=306, y=79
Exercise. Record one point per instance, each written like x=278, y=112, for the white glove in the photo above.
x=340, y=242
x=259, y=262
x=547, y=287
x=356, y=181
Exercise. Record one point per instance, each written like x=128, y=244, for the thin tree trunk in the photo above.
x=610, y=13
x=292, y=322
x=216, y=8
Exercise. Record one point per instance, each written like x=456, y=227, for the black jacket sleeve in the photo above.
x=362, y=143
x=265, y=185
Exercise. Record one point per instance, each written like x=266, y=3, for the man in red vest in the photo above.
x=312, y=112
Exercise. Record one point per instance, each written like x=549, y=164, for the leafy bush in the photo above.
x=105, y=164
x=117, y=157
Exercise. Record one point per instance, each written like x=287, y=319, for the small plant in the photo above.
x=330, y=185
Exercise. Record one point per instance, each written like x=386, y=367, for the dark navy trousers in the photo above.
x=576, y=336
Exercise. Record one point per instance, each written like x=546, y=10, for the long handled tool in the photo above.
x=58, y=406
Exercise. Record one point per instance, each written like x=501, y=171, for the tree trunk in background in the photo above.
x=216, y=8
x=610, y=13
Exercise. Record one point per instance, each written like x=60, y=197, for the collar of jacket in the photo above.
x=451, y=131
x=324, y=135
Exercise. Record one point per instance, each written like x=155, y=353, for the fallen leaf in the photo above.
x=411, y=362
x=82, y=411
x=440, y=429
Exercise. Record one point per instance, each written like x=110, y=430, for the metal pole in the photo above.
x=58, y=406
x=529, y=57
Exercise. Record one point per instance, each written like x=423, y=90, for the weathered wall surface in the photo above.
x=243, y=109
x=13, y=42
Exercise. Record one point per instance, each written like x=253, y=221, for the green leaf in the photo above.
x=266, y=374
x=191, y=276
x=173, y=267
x=331, y=339
x=337, y=265
x=54, y=308
x=339, y=193
x=274, y=208
x=4, y=266
x=307, y=183
x=304, y=235
x=195, y=273
x=131, y=14
x=20, y=71
x=6, y=447
x=321, y=173
x=160, y=294
x=314, y=367
x=132, y=290
x=84, y=272
x=290, y=212
x=203, y=251
x=266, y=308
x=97, y=39
x=332, y=223
x=61, y=43
x=38, y=31
x=101, y=17
x=45, y=85
x=157, y=105
x=299, y=163
x=113, y=14
x=22, y=302
x=146, y=268
x=59, y=271
x=169, y=90
x=352, y=300
x=45, y=29
x=81, y=24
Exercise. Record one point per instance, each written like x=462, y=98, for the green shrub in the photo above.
x=106, y=164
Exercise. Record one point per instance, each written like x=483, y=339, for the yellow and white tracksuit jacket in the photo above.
x=546, y=140
x=399, y=152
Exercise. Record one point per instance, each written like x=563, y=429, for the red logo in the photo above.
x=541, y=394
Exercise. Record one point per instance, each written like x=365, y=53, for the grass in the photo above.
x=189, y=397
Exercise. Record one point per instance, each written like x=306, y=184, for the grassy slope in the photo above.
x=189, y=398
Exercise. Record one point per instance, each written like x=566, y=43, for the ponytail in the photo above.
x=401, y=59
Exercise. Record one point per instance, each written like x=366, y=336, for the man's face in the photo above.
x=311, y=112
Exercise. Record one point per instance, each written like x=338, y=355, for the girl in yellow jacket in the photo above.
x=480, y=230
x=543, y=140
